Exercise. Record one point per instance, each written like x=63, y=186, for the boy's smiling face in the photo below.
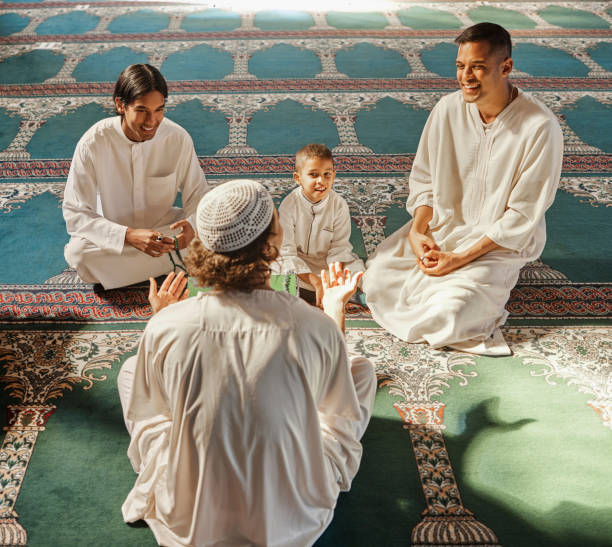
x=316, y=177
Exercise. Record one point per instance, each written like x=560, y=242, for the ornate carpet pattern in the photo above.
x=503, y=451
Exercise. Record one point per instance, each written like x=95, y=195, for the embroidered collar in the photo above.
x=315, y=207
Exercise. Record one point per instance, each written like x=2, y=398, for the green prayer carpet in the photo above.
x=461, y=450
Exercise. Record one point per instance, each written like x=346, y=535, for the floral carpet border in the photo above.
x=270, y=86
x=41, y=303
x=228, y=165
x=567, y=301
x=242, y=34
x=73, y=303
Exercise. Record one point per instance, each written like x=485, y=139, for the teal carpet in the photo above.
x=497, y=451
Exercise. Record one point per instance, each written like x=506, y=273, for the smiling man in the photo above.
x=123, y=182
x=486, y=170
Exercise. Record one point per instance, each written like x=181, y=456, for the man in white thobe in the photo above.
x=486, y=170
x=123, y=182
x=244, y=410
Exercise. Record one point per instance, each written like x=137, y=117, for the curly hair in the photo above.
x=243, y=270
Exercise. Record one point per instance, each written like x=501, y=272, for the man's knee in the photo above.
x=364, y=379
x=364, y=376
x=125, y=380
x=76, y=252
x=126, y=372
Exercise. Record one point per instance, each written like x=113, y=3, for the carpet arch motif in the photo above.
x=58, y=335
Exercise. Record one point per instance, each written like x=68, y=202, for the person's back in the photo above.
x=241, y=387
x=245, y=415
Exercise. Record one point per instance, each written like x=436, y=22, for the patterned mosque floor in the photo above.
x=519, y=441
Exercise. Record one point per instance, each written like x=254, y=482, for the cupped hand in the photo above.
x=186, y=234
x=421, y=246
x=171, y=290
x=438, y=263
x=148, y=241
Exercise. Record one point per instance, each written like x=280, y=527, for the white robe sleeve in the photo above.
x=148, y=449
x=420, y=180
x=534, y=190
x=192, y=181
x=80, y=205
x=148, y=404
x=289, y=259
x=340, y=249
x=339, y=410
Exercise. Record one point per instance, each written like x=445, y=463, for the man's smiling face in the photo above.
x=481, y=73
x=141, y=117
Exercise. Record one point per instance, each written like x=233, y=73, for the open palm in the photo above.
x=338, y=285
x=172, y=290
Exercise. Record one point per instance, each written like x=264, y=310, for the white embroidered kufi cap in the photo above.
x=233, y=214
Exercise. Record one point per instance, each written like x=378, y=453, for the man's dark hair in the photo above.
x=497, y=37
x=136, y=80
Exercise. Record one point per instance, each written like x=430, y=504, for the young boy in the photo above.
x=316, y=223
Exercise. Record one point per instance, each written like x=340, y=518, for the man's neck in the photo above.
x=126, y=131
x=489, y=112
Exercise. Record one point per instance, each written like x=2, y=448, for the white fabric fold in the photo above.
x=245, y=417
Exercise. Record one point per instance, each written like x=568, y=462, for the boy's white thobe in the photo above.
x=316, y=235
x=114, y=183
x=496, y=180
x=245, y=416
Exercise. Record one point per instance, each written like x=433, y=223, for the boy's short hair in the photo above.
x=313, y=150
x=497, y=36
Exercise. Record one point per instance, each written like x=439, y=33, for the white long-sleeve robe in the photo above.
x=496, y=181
x=115, y=183
x=316, y=235
x=245, y=417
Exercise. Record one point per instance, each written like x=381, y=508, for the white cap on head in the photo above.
x=233, y=214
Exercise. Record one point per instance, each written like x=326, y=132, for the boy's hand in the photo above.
x=315, y=281
x=172, y=290
x=338, y=286
x=318, y=285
